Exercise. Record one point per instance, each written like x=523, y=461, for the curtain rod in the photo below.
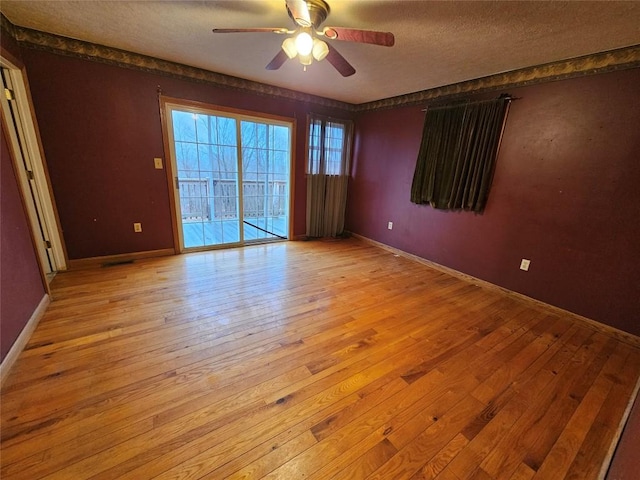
x=454, y=105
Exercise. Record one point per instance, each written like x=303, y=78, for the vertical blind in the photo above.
x=457, y=155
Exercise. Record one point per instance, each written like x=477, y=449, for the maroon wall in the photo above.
x=9, y=48
x=566, y=195
x=21, y=285
x=100, y=127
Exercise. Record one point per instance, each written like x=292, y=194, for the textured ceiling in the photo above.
x=437, y=43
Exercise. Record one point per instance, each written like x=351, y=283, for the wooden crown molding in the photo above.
x=619, y=59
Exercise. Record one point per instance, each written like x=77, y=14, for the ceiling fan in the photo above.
x=305, y=41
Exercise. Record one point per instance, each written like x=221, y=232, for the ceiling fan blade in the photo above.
x=386, y=39
x=299, y=11
x=277, y=61
x=252, y=30
x=339, y=62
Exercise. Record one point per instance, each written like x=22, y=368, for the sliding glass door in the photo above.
x=232, y=177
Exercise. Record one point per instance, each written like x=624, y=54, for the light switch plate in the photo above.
x=157, y=162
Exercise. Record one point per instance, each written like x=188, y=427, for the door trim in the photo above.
x=34, y=153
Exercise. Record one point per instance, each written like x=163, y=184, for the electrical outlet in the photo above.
x=157, y=162
x=524, y=264
x=390, y=225
x=137, y=227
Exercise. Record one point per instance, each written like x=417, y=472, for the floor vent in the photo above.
x=115, y=264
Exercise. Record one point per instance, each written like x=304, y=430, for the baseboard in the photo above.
x=620, y=335
x=92, y=262
x=23, y=338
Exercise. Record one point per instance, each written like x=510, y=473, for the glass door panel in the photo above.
x=265, y=180
x=206, y=155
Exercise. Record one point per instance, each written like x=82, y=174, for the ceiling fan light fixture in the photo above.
x=304, y=43
x=305, y=59
x=320, y=49
x=289, y=47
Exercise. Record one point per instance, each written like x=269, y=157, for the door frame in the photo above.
x=167, y=103
x=45, y=214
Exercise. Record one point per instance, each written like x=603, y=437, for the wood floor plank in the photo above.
x=524, y=472
x=426, y=445
x=557, y=418
x=304, y=394
x=307, y=360
x=184, y=384
x=509, y=405
x=387, y=365
x=441, y=459
x=559, y=459
x=368, y=462
x=511, y=451
x=296, y=409
x=588, y=460
x=278, y=456
x=266, y=448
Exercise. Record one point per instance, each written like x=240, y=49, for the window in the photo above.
x=327, y=175
x=329, y=146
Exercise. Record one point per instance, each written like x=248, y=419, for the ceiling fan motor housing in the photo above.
x=318, y=12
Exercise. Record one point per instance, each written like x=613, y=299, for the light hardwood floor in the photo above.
x=312, y=360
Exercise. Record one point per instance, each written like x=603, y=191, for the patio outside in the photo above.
x=214, y=219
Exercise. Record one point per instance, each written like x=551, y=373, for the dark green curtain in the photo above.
x=458, y=154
